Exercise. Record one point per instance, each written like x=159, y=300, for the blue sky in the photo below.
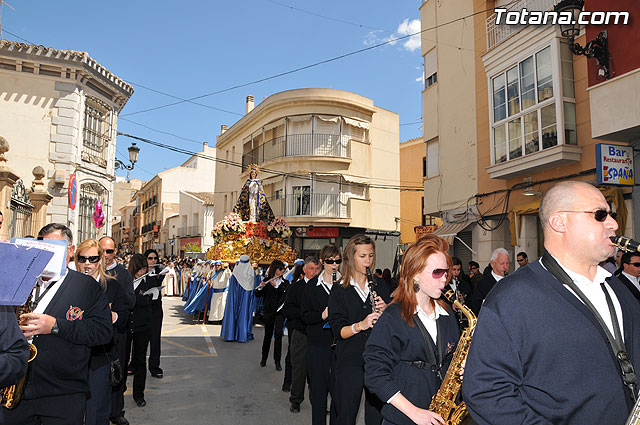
x=191, y=48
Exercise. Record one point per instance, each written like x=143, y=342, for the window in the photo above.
x=430, y=68
x=433, y=161
x=89, y=194
x=524, y=104
x=96, y=131
x=424, y=166
x=301, y=200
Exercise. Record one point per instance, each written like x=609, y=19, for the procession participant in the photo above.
x=272, y=289
x=539, y=353
x=237, y=323
x=70, y=316
x=220, y=289
x=89, y=260
x=14, y=350
x=321, y=357
x=199, y=303
x=157, y=314
x=498, y=268
x=122, y=276
x=296, y=274
x=410, y=347
x=170, y=281
x=292, y=310
x=351, y=317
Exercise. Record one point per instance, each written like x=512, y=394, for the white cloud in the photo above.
x=405, y=28
x=420, y=79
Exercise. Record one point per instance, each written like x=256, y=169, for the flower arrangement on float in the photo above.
x=279, y=228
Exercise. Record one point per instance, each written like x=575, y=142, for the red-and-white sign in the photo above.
x=73, y=191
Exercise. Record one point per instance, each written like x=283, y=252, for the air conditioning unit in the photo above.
x=59, y=177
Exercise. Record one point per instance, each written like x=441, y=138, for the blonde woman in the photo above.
x=89, y=260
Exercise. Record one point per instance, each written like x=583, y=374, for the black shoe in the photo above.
x=120, y=421
x=263, y=363
x=295, y=408
x=278, y=367
x=157, y=375
x=140, y=402
x=286, y=388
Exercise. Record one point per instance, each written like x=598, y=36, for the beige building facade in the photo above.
x=58, y=116
x=330, y=166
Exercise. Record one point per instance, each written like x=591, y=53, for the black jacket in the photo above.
x=346, y=308
x=273, y=298
x=292, y=308
x=140, y=316
x=390, y=346
x=14, y=350
x=630, y=286
x=123, y=277
x=314, y=300
x=82, y=314
x=482, y=290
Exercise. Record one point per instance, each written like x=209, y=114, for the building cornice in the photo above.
x=86, y=69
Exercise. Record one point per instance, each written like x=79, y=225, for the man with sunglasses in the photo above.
x=157, y=315
x=70, y=315
x=557, y=341
x=630, y=274
x=123, y=277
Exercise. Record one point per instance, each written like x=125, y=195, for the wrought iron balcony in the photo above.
x=311, y=144
x=312, y=205
x=191, y=231
x=496, y=34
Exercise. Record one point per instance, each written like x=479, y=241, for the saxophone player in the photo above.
x=411, y=345
x=14, y=350
x=539, y=354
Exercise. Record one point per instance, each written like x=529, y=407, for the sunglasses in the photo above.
x=338, y=261
x=438, y=273
x=600, y=215
x=92, y=259
x=152, y=258
x=109, y=251
x=634, y=264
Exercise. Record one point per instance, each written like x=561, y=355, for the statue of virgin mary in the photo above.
x=252, y=203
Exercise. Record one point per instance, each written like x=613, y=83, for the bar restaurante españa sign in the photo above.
x=614, y=164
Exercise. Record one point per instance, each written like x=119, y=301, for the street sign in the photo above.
x=73, y=191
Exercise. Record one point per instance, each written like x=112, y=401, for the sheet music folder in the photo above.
x=19, y=271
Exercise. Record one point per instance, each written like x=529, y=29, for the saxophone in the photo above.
x=444, y=401
x=372, y=292
x=12, y=394
x=634, y=418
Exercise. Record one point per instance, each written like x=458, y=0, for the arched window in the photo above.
x=21, y=211
x=89, y=194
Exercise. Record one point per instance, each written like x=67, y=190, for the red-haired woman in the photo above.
x=410, y=348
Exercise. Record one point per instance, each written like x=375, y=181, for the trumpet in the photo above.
x=372, y=292
x=625, y=244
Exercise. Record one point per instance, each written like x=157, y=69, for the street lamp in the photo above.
x=133, y=158
x=570, y=28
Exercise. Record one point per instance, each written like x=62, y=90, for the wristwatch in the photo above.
x=55, y=329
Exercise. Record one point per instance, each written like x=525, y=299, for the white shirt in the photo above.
x=632, y=279
x=326, y=285
x=277, y=281
x=592, y=290
x=497, y=277
x=46, y=299
x=429, y=322
x=363, y=294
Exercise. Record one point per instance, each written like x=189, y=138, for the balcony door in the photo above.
x=301, y=200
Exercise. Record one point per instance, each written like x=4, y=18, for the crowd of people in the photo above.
x=556, y=341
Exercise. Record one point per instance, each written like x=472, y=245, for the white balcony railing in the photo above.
x=312, y=205
x=496, y=34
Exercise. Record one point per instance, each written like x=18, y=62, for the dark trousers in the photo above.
x=321, y=362
x=298, y=347
x=99, y=400
x=156, y=330
x=117, y=392
x=58, y=410
x=348, y=392
x=139, y=341
x=272, y=325
x=286, y=383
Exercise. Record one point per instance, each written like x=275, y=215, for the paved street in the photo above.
x=209, y=381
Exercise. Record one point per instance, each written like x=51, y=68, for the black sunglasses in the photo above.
x=600, y=214
x=152, y=258
x=109, y=251
x=635, y=264
x=438, y=273
x=92, y=259
x=338, y=261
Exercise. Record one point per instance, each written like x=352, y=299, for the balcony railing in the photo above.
x=312, y=205
x=496, y=34
x=191, y=231
x=312, y=144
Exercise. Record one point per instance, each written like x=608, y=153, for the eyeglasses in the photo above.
x=634, y=264
x=338, y=261
x=521, y=260
x=600, y=215
x=280, y=268
x=109, y=251
x=152, y=258
x=92, y=259
x=438, y=273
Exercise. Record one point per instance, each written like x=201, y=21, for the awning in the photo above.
x=355, y=179
x=451, y=230
x=355, y=123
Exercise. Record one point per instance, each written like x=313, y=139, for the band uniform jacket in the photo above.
x=14, y=350
x=539, y=356
x=314, y=300
x=273, y=297
x=292, y=308
x=141, y=315
x=391, y=344
x=83, y=317
x=630, y=286
x=346, y=308
x=482, y=290
x=123, y=277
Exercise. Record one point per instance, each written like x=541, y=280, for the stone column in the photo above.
x=40, y=198
x=7, y=179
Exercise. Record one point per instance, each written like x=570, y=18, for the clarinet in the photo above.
x=334, y=277
x=372, y=291
x=625, y=244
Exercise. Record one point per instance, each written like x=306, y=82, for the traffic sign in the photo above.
x=73, y=191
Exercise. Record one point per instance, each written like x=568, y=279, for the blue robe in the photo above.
x=201, y=299
x=237, y=323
